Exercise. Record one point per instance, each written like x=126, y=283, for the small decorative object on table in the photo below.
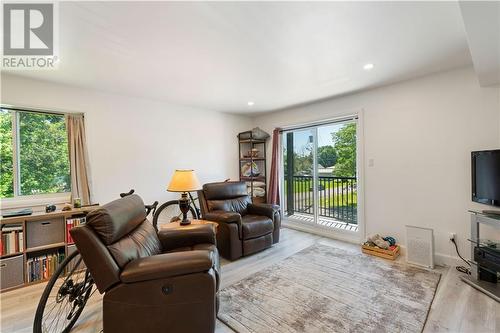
x=184, y=181
x=67, y=206
x=384, y=247
x=77, y=203
x=50, y=208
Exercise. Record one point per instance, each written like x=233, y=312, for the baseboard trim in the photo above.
x=442, y=259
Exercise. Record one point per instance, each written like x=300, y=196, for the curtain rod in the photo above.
x=35, y=110
x=319, y=123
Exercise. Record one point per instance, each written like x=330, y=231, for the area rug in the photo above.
x=325, y=289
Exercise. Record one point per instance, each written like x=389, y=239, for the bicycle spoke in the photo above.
x=54, y=320
x=65, y=297
x=50, y=311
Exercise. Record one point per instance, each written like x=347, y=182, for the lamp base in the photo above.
x=185, y=222
x=184, y=207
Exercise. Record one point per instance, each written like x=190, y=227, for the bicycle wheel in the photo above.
x=64, y=297
x=170, y=212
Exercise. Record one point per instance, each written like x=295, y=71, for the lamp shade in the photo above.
x=184, y=181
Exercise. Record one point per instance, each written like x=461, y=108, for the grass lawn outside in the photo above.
x=330, y=196
x=306, y=184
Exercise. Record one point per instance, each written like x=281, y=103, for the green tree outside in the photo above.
x=327, y=156
x=6, y=166
x=342, y=154
x=43, y=154
x=345, y=146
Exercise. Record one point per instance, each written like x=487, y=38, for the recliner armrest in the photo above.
x=223, y=217
x=227, y=219
x=188, y=235
x=263, y=209
x=167, y=265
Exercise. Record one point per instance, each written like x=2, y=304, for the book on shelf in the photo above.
x=12, y=240
x=72, y=223
x=44, y=266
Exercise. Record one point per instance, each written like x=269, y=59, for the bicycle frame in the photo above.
x=193, y=203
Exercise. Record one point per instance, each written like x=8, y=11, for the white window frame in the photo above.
x=19, y=200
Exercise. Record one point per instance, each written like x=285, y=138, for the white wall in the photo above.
x=137, y=143
x=420, y=134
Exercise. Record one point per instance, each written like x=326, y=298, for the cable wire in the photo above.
x=462, y=269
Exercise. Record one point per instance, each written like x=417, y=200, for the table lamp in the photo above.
x=184, y=181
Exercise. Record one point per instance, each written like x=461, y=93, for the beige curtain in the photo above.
x=78, y=158
x=274, y=191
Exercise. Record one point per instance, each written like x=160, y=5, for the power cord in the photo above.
x=462, y=269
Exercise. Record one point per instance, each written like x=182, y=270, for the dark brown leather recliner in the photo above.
x=152, y=282
x=244, y=227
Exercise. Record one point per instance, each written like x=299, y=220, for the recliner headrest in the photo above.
x=118, y=218
x=224, y=190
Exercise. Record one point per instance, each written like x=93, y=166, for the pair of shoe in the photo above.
x=379, y=241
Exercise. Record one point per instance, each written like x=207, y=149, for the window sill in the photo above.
x=35, y=201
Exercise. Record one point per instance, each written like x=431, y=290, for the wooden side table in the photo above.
x=177, y=225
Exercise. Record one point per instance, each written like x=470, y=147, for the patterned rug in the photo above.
x=325, y=289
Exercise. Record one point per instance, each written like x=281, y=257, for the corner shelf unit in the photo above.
x=256, y=181
x=36, y=236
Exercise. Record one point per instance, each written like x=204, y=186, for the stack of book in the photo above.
x=42, y=267
x=12, y=240
x=70, y=224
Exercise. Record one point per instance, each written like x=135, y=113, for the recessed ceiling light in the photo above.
x=250, y=103
x=368, y=67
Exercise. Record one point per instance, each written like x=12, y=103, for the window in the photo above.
x=33, y=153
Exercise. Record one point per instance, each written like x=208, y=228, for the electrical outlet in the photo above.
x=453, y=236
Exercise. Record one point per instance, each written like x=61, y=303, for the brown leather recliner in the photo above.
x=244, y=227
x=152, y=282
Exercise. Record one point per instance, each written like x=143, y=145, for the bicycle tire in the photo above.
x=38, y=322
x=165, y=206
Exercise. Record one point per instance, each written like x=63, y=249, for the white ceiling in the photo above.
x=221, y=55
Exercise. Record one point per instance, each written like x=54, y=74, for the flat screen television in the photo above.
x=486, y=177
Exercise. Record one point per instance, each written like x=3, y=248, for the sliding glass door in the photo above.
x=299, y=162
x=320, y=175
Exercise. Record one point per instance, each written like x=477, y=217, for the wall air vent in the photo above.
x=420, y=246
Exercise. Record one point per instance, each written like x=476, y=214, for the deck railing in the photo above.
x=337, y=197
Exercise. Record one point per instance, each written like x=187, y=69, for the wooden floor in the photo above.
x=457, y=307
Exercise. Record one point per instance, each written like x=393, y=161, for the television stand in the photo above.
x=489, y=288
x=491, y=212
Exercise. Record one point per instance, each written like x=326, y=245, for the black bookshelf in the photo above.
x=246, y=143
